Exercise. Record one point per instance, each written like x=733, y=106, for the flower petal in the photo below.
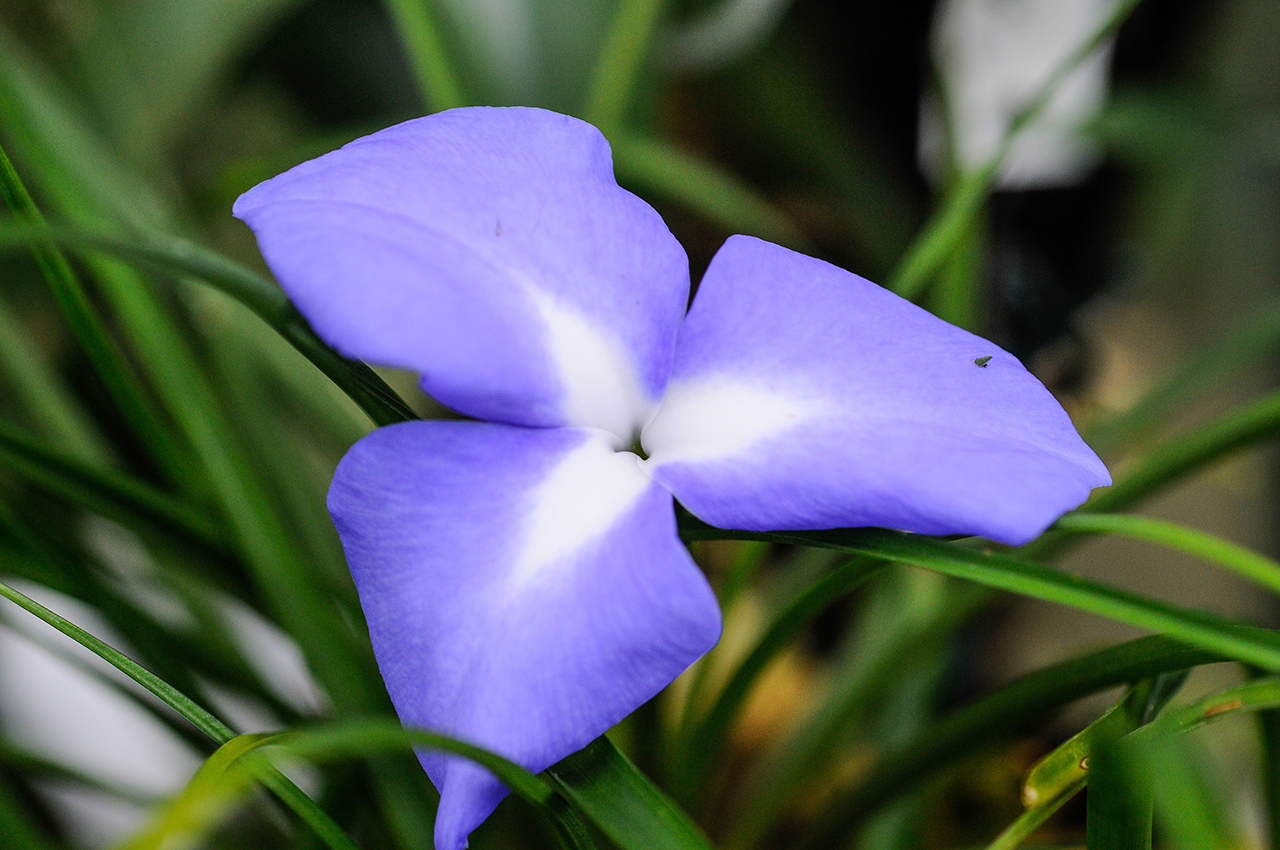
x=524, y=588
x=492, y=251
x=806, y=397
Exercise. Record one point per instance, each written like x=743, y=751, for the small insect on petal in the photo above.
x=982, y=361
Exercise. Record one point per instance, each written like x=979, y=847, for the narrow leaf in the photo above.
x=954, y=218
x=707, y=188
x=1027, y=578
x=998, y=716
x=428, y=53
x=1238, y=559
x=261, y=295
x=112, y=494
x=289, y=794
x=608, y=789
x=702, y=744
x=622, y=58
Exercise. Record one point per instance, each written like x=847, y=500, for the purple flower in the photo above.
x=522, y=578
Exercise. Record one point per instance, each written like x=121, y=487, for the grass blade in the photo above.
x=707, y=736
x=1028, y=578
x=211, y=726
x=608, y=789
x=428, y=54
x=621, y=60
x=180, y=257
x=663, y=170
x=999, y=716
x=955, y=217
x=111, y=494
x=1238, y=559
x=108, y=360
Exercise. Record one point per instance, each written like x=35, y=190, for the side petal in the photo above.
x=806, y=397
x=525, y=590
x=491, y=250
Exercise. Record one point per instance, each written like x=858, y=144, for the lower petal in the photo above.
x=524, y=588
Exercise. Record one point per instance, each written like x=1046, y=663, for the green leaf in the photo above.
x=1005, y=572
x=661, y=170
x=215, y=729
x=45, y=396
x=1238, y=559
x=1068, y=764
x=907, y=619
x=1175, y=458
x=207, y=799
x=1261, y=694
x=1035, y=816
x=181, y=257
x=1253, y=339
x=621, y=60
x=151, y=65
x=360, y=738
x=601, y=783
x=1013, y=708
x=109, y=361
x=112, y=494
x=698, y=747
x=428, y=53
x=18, y=830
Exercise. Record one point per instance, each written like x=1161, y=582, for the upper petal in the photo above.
x=806, y=397
x=492, y=251
x=524, y=588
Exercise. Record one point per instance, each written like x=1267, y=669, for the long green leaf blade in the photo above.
x=607, y=788
x=261, y=295
x=1244, y=562
x=215, y=729
x=1027, y=578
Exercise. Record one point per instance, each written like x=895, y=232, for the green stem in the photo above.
x=179, y=256
x=1000, y=716
x=1238, y=559
x=428, y=54
x=621, y=60
x=108, y=360
x=211, y=726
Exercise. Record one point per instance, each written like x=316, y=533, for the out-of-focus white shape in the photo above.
x=272, y=654
x=720, y=35
x=580, y=500
x=121, y=550
x=601, y=387
x=712, y=417
x=993, y=56
x=64, y=713
x=275, y=658
x=97, y=820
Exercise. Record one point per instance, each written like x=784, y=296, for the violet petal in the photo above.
x=492, y=251
x=524, y=588
x=806, y=397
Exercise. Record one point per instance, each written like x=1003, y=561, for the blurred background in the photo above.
x=1130, y=228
